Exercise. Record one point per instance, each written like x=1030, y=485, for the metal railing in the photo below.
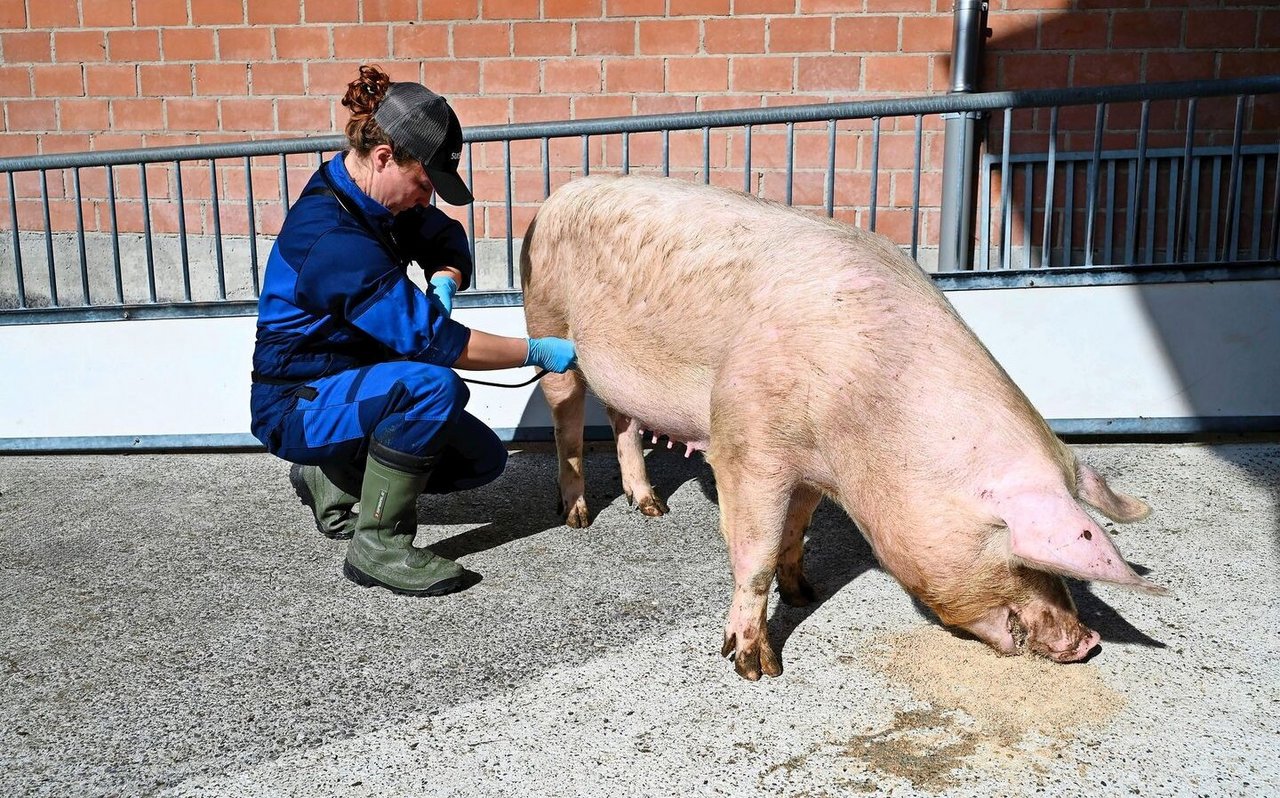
x=181, y=231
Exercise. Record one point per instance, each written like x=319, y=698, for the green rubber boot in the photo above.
x=330, y=493
x=382, y=553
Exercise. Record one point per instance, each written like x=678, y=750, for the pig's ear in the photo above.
x=1053, y=533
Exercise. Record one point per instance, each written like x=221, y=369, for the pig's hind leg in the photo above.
x=635, y=478
x=792, y=585
x=566, y=394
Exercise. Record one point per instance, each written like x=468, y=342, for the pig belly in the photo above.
x=672, y=404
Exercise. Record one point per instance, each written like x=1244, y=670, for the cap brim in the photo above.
x=450, y=188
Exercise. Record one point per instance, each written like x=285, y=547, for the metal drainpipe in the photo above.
x=955, y=242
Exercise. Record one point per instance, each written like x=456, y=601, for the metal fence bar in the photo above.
x=791, y=160
x=217, y=226
x=915, y=183
x=1110, y=213
x=17, y=245
x=146, y=235
x=1135, y=188
x=666, y=153
x=182, y=234
x=875, y=173
x=1091, y=190
x=1184, y=189
x=984, y=218
x=115, y=233
x=706, y=155
x=546, y=167
x=471, y=211
x=511, y=258
x=1213, y=207
x=1193, y=230
x=746, y=160
x=626, y=153
x=829, y=184
x=586, y=155
x=1006, y=211
x=80, y=240
x=284, y=181
x=48, y=238
x=1046, y=237
x=1152, y=176
x=1171, y=221
x=1255, y=242
x=1231, y=240
x=1275, y=209
x=1068, y=212
x=1028, y=209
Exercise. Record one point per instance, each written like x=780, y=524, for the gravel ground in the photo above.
x=173, y=625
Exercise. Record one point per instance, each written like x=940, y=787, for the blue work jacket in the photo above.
x=336, y=294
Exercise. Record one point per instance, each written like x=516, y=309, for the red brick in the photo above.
x=361, y=42
x=107, y=14
x=66, y=80
x=1269, y=29
x=605, y=38
x=670, y=37
x=16, y=81
x=665, y=104
x=635, y=8
x=481, y=39
x=85, y=114
x=1180, y=65
x=308, y=43
x=633, y=75
x=35, y=115
x=741, y=7
x=305, y=115
x=331, y=11
x=929, y=34
x=165, y=80
x=481, y=110
x=1249, y=65
x=21, y=48
x=222, y=79
x=540, y=109
x=1032, y=70
x=423, y=40
x=246, y=114
x=599, y=107
x=1221, y=28
x=219, y=12
x=1108, y=69
x=13, y=15
x=1146, y=29
x=111, y=80
x=699, y=8
x=453, y=76
x=800, y=35
x=272, y=12
x=452, y=9
x=160, y=12
x=187, y=44
x=697, y=74
x=399, y=11
x=191, y=114
x=837, y=72
x=1013, y=32
x=510, y=77
x=133, y=45
x=734, y=36
x=866, y=35
x=144, y=114
x=571, y=9
x=511, y=9
x=48, y=15
x=543, y=38
x=873, y=6
x=762, y=74
x=78, y=46
x=330, y=78
x=244, y=44
x=1079, y=32
x=278, y=78
x=572, y=76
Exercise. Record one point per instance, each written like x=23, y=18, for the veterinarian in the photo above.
x=353, y=376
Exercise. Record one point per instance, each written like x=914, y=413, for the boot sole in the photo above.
x=445, y=586
x=309, y=501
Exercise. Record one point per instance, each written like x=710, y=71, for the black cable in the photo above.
x=534, y=379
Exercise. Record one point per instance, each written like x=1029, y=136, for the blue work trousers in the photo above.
x=413, y=410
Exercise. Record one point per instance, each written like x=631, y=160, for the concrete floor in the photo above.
x=173, y=625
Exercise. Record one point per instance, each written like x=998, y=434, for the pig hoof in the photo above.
x=577, y=517
x=752, y=660
x=652, y=506
x=801, y=594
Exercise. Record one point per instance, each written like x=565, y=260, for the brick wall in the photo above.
x=101, y=74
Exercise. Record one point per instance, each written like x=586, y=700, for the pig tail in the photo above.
x=364, y=95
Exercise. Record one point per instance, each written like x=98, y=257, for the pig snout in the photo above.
x=1052, y=633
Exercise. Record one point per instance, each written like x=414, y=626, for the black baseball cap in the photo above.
x=421, y=123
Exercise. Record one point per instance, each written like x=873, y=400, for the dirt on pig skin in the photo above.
x=975, y=710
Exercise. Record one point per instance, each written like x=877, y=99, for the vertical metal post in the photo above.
x=959, y=169
x=17, y=244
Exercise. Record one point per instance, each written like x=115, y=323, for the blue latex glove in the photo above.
x=551, y=354
x=445, y=288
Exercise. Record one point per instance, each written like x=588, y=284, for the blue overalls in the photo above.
x=351, y=355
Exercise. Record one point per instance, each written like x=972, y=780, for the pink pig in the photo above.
x=809, y=358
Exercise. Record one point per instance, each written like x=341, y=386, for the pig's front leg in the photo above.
x=753, y=509
x=566, y=394
x=635, y=478
x=792, y=585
